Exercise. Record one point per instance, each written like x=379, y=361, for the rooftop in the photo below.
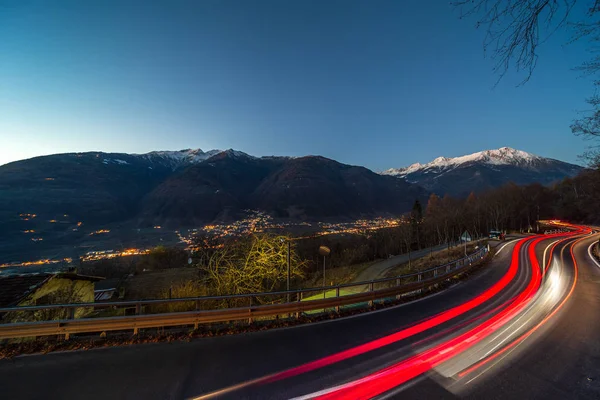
x=14, y=288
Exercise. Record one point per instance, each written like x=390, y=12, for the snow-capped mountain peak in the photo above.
x=182, y=158
x=483, y=170
x=179, y=158
x=501, y=156
x=237, y=154
x=440, y=160
x=190, y=155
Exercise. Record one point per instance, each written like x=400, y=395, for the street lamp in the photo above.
x=324, y=251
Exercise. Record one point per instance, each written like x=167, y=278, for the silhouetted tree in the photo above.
x=516, y=28
x=416, y=218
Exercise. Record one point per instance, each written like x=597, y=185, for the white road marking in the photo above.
x=503, y=246
x=592, y=256
x=510, y=335
x=500, y=359
x=545, y=250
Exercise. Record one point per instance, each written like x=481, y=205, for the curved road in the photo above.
x=440, y=340
x=562, y=362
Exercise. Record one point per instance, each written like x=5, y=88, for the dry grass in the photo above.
x=433, y=260
x=153, y=284
x=177, y=291
x=336, y=276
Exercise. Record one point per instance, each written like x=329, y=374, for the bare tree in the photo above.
x=516, y=28
x=588, y=127
x=434, y=217
x=513, y=28
x=255, y=264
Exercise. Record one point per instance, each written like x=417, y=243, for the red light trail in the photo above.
x=393, y=376
x=401, y=372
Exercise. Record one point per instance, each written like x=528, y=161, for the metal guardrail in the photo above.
x=554, y=231
x=368, y=291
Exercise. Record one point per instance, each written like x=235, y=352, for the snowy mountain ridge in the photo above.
x=501, y=156
x=176, y=159
x=484, y=170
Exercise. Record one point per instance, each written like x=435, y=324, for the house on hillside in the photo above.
x=43, y=289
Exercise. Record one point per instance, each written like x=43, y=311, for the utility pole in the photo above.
x=324, y=251
x=324, y=293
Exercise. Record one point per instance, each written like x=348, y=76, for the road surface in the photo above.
x=430, y=348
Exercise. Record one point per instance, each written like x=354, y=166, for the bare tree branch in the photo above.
x=513, y=29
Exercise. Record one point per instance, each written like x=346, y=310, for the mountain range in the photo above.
x=484, y=170
x=191, y=187
x=53, y=205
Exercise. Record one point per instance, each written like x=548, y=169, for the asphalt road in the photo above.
x=563, y=361
x=558, y=361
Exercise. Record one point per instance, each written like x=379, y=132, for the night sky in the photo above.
x=381, y=84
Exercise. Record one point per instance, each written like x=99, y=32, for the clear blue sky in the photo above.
x=381, y=84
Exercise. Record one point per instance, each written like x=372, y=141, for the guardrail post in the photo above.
x=138, y=311
x=299, y=300
x=197, y=309
x=250, y=311
x=337, y=294
x=70, y=315
x=371, y=290
x=398, y=281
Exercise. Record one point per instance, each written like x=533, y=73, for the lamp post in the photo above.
x=288, y=259
x=324, y=251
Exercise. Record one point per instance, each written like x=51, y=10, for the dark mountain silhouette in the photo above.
x=191, y=187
